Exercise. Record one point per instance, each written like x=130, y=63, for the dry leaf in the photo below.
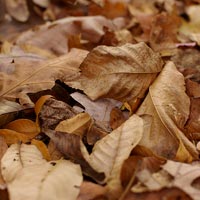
x=99, y=109
x=25, y=126
x=166, y=110
x=53, y=112
x=3, y=148
x=29, y=176
x=42, y=3
x=184, y=175
x=121, y=73
x=42, y=148
x=54, y=152
x=78, y=125
x=119, y=144
x=90, y=28
x=27, y=76
x=13, y=137
x=18, y=9
x=90, y=191
x=8, y=111
x=72, y=147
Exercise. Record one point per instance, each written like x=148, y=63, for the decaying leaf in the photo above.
x=54, y=152
x=29, y=176
x=166, y=110
x=121, y=73
x=18, y=9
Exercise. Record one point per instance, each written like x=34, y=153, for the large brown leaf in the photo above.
x=27, y=75
x=120, y=73
x=165, y=111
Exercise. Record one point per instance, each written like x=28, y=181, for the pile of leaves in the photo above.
x=100, y=100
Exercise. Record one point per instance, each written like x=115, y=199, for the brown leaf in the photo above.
x=72, y=147
x=90, y=28
x=166, y=110
x=42, y=148
x=53, y=112
x=18, y=9
x=28, y=76
x=54, y=152
x=115, y=70
x=91, y=190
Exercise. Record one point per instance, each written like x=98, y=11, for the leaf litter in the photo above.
x=100, y=103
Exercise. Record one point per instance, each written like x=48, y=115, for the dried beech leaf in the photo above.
x=90, y=28
x=77, y=125
x=18, y=9
x=72, y=147
x=167, y=109
x=184, y=175
x=42, y=148
x=21, y=80
x=99, y=110
x=53, y=112
x=90, y=191
x=24, y=126
x=29, y=176
x=13, y=137
x=8, y=110
x=119, y=144
x=121, y=73
x=3, y=148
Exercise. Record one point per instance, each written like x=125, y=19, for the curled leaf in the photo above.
x=165, y=112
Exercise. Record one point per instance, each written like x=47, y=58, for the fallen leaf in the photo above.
x=167, y=109
x=184, y=175
x=3, y=148
x=119, y=144
x=22, y=80
x=90, y=28
x=54, y=152
x=78, y=125
x=25, y=126
x=53, y=112
x=42, y=148
x=13, y=137
x=115, y=70
x=29, y=176
x=42, y=3
x=99, y=109
x=8, y=111
x=18, y=9
x=91, y=190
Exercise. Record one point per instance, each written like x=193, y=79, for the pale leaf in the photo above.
x=77, y=125
x=110, y=152
x=29, y=76
x=18, y=9
x=121, y=73
x=184, y=175
x=40, y=180
x=166, y=110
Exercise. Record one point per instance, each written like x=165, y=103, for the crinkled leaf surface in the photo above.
x=29, y=176
x=27, y=75
x=166, y=110
x=121, y=73
x=119, y=144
